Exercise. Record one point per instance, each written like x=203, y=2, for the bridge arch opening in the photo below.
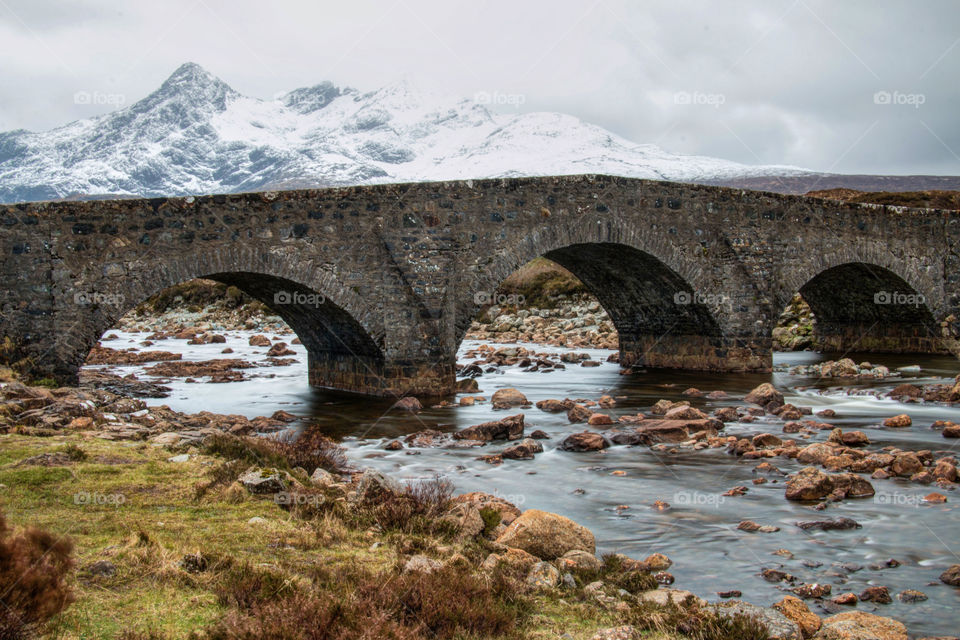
x=863, y=307
x=660, y=319
x=341, y=353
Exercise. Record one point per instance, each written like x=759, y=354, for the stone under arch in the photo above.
x=663, y=320
x=859, y=306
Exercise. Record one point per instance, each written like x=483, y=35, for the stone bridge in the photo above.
x=381, y=282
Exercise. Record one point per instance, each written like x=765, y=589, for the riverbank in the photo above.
x=68, y=474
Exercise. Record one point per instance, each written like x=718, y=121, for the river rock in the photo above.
x=838, y=524
x=779, y=626
x=584, y=441
x=765, y=395
x=858, y=625
x=509, y=428
x=662, y=406
x=878, y=594
x=684, y=413
x=465, y=519
x=817, y=452
x=951, y=431
x=599, y=419
x=505, y=398
x=812, y=484
x=547, y=535
x=911, y=596
x=555, y=406
x=523, y=450
x=906, y=464
x=408, y=403
x=259, y=341
x=795, y=609
x=951, y=576
x=578, y=413
x=898, y=421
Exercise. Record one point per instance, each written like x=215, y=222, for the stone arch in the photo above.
x=665, y=310
x=867, y=307
x=343, y=338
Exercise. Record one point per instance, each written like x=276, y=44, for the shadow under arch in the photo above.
x=865, y=307
x=341, y=352
x=662, y=321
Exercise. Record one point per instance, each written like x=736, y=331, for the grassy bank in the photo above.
x=164, y=549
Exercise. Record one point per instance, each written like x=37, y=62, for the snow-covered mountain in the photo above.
x=196, y=135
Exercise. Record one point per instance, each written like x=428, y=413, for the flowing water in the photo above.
x=698, y=532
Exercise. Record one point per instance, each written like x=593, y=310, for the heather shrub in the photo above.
x=33, y=569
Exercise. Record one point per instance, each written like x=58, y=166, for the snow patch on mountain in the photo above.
x=197, y=135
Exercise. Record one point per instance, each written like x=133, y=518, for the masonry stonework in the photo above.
x=381, y=282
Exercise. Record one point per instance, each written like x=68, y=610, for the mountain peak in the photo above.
x=192, y=75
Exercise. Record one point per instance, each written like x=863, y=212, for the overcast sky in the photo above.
x=854, y=87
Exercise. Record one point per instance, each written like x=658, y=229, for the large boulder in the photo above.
x=765, y=395
x=509, y=428
x=779, y=626
x=555, y=406
x=672, y=431
x=515, y=560
x=857, y=625
x=547, y=535
x=584, y=441
x=684, y=413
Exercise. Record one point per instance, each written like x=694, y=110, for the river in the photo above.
x=699, y=531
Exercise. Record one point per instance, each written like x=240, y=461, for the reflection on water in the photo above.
x=699, y=531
